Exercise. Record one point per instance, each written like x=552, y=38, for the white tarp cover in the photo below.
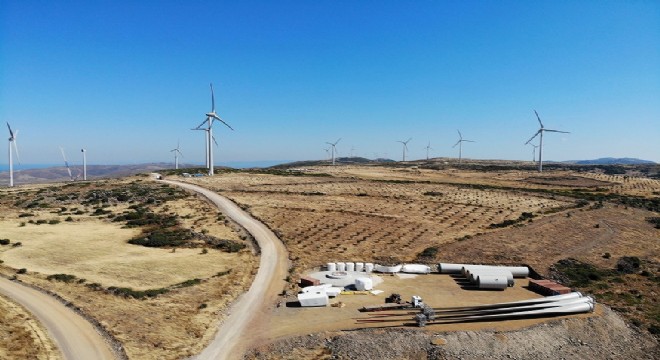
x=416, y=269
x=317, y=288
x=317, y=298
x=363, y=284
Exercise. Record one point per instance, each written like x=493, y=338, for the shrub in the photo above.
x=53, y=222
x=607, y=255
x=163, y=238
x=229, y=246
x=4, y=241
x=66, y=278
x=17, y=244
x=21, y=271
x=429, y=252
x=223, y=273
x=188, y=283
x=69, y=219
x=136, y=294
x=628, y=264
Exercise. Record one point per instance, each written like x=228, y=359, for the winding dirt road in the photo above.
x=233, y=334
x=74, y=335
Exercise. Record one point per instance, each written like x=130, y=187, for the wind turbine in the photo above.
x=405, y=147
x=428, y=147
x=84, y=152
x=460, y=145
x=177, y=152
x=533, y=151
x=210, y=118
x=334, y=149
x=541, y=131
x=12, y=140
x=327, y=152
x=68, y=169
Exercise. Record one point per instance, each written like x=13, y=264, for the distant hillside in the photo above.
x=339, y=161
x=60, y=174
x=611, y=161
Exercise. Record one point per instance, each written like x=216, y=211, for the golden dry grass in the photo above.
x=22, y=336
x=173, y=325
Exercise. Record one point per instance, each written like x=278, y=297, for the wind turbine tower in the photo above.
x=405, y=147
x=428, y=147
x=334, y=149
x=540, y=132
x=12, y=141
x=176, y=152
x=84, y=153
x=460, y=145
x=210, y=118
x=533, y=151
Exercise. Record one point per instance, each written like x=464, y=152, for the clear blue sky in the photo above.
x=127, y=79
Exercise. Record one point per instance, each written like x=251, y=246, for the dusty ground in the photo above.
x=598, y=337
x=86, y=243
x=366, y=213
x=21, y=336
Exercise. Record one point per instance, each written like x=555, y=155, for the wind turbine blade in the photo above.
x=199, y=127
x=18, y=158
x=222, y=121
x=557, y=131
x=538, y=118
x=179, y=151
x=535, y=135
x=458, y=142
x=216, y=143
x=469, y=140
x=212, y=99
x=11, y=133
x=459, y=134
x=336, y=142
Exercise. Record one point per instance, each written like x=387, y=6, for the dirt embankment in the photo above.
x=604, y=337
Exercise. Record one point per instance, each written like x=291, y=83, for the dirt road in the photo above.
x=75, y=337
x=249, y=309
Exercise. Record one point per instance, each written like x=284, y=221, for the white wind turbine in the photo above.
x=84, y=152
x=405, y=147
x=533, y=151
x=334, y=149
x=12, y=141
x=541, y=131
x=428, y=147
x=66, y=163
x=210, y=118
x=176, y=152
x=460, y=145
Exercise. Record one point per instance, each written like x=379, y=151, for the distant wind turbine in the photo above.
x=533, y=151
x=540, y=132
x=428, y=147
x=68, y=169
x=405, y=147
x=334, y=149
x=84, y=152
x=460, y=145
x=210, y=118
x=177, y=152
x=12, y=141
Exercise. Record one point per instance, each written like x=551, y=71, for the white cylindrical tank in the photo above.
x=368, y=267
x=359, y=266
x=363, y=284
x=350, y=266
x=331, y=266
x=445, y=268
x=518, y=271
x=496, y=282
x=341, y=266
x=488, y=271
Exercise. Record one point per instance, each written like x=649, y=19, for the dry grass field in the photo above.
x=161, y=301
x=21, y=336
